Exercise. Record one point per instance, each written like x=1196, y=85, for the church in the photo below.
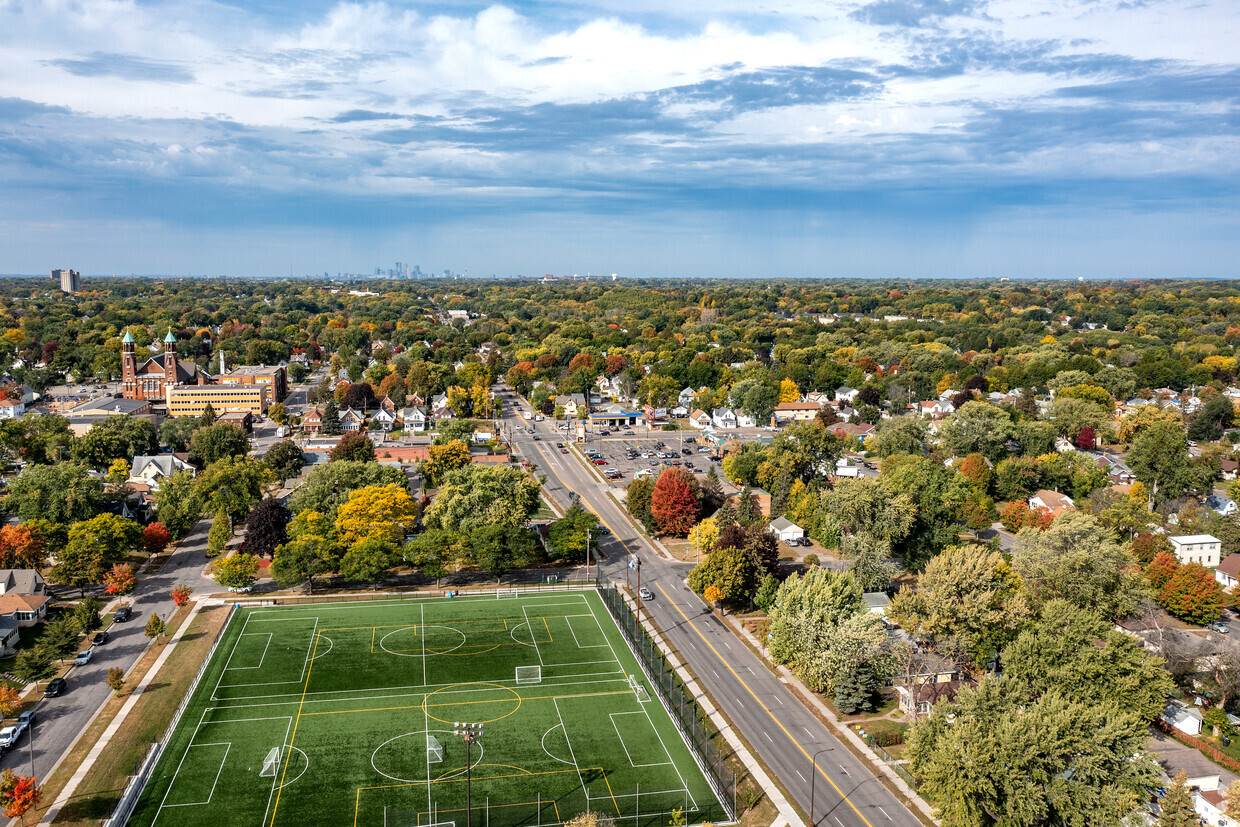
x=153, y=378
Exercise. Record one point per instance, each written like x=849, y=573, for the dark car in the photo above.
x=122, y=614
x=100, y=637
x=691, y=439
x=56, y=688
x=686, y=451
x=536, y=437
x=805, y=541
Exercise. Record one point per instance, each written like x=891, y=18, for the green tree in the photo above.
x=86, y=615
x=330, y=425
x=233, y=484
x=1177, y=805
x=567, y=537
x=176, y=432
x=437, y=551
x=1077, y=559
x=62, y=493
x=285, y=459
x=116, y=437
x=1159, y=458
x=1215, y=416
x=155, y=626
x=237, y=571
x=899, y=435
x=34, y=664
x=93, y=546
x=498, y=548
x=764, y=599
x=207, y=418
x=175, y=505
x=980, y=428
x=968, y=600
x=731, y=570
x=310, y=552
x=222, y=440
x=1063, y=761
x=219, y=535
x=477, y=496
x=326, y=486
x=637, y=501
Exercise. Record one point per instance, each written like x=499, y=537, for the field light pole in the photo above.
x=471, y=733
x=812, y=780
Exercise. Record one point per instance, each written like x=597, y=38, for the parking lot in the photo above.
x=626, y=457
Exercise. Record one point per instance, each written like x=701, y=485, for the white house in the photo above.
x=385, y=418
x=744, y=420
x=574, y=405
x=1197, y=548
x=686, y=397
x=786, y=530
x=819, y=398
x=1052, y=501
x=414, y=418
x=1227, y=573
x=846, y=394
x=700, y=419
x=12, y=408
x=1222, y=505
x=796, y=411
x=930, y=408
x=723, y=418
x=150, y=470
x=1210, y=805
x=1185, y=718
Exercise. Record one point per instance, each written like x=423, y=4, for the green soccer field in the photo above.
x=351, y=709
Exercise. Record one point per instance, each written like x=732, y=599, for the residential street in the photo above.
x=59, y=721
x=766, y=713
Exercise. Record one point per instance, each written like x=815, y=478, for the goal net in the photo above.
x=638, y=690
x=529, y=674
x=505, y=592
x=434, y=750
x=271, y=763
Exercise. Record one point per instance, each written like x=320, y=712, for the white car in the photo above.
x=83, y=657
x=9, y=736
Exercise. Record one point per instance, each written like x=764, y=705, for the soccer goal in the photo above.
x=638, y=690
x=434, y=750
x=529, y=674
x=506, y=592
x=271, y=764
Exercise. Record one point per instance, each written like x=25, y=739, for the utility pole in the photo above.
x=471, y=733
x=638, y=565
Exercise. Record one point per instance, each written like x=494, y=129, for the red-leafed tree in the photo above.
x=675, y=502
x=181, y=593
x=581, y=360
x=1193, y=594
x=1161, y=569
x=18, y=794
x=615, y=363
x=355, y=446
x=156, y=537
x=121, y=579
x=21, y=547
x=1085, y=438
x=976, y=470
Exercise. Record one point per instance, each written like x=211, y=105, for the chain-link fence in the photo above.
x=688, y=715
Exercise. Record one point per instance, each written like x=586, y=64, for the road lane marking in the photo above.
x=768, y=711
x=768, y=736
x=803, y=778
x=884, y=812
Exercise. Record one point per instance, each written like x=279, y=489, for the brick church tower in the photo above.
x=170, y=363
x=129, y=368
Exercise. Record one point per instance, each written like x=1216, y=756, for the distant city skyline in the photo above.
x=857, y=138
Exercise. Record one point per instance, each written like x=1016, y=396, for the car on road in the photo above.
x=1221, y=628
x=100, y=637
x=559, y=445
x=871, y=466
x=563, y=450
x=9, y=736
x=122, y=614
x=645, y=593
x=83, y=657
x=629, y=433
x=56, y=688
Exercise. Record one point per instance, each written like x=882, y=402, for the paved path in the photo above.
x=59, y=721
x=764, y=711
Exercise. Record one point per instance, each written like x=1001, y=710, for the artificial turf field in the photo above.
x=348, y=692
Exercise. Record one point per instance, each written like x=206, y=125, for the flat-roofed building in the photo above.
x=191, y=400
x=85, y=416
x=273, y=378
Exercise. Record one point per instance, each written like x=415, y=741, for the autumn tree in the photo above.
x=444, y=458
x=353, y=447
x=93, y=546
x=731, y=570
x=237, y=571
x=116, y=680
x=1192, y=593
x=155, y=538
x=386, y=511
x=180, y=594
x=22, y=547
x=120, y=580
x=155, y=626
x=10, y=701
x=19, y=794
x=674, y=502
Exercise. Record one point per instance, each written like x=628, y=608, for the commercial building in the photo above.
x=1197, y=548
x=192, y=400
x=70, y=280
x=88, y=414
x=274, y=379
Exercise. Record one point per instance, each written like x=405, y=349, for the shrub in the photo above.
x=810, y=560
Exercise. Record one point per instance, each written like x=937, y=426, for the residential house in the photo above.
x=414, y=418
x=10, y=636
x=818, y=398
x=12, y=408
x=679, y=412
x=312, y=420
x=744, y=420
x=932, y=408
x=1185, y=718
x=1227, y=573
x=386, y=404
x=1211, y=806
x=785, y=530
x=439, y=400
x=385, y=418
x=1197, y=548
x=1063, y=445
x=700, y=419
x=443, y=413
x=921, y=696
x=723, y=418
x=1051, y=501
x=574, y=405
x=845, y=394
x=795, y=412
x=1222, y=505
x=849, y=430
x=24, y=609
x=761, y=499
x=686, y=397
x=414, y=399
x=22, y=581
x=152, y=470
x=351, y=420
x=876, y=602
x=1229, y=467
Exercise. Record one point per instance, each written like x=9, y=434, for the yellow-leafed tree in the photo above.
x=788, y=391
x=383, y=511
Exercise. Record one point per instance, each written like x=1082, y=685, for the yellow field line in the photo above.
x=293, y=738
x=765, y=708
x=467, y=703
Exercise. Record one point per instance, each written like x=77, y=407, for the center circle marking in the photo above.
x=515, y=700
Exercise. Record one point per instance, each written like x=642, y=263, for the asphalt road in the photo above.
x=59, y=721
x=764, y=711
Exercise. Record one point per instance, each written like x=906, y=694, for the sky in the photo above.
x=747, y=138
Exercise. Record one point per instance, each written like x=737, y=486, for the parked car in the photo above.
x=56, y=688
x=122, y=614
x=628, y=433
x=691, y=439
x=9, y=736
x=805, y=541
x=686, y=451
x=600, y=462
x=705, y=449
x=100, y=637
x=83, y=657
x=1221, y=628
x=792, y=542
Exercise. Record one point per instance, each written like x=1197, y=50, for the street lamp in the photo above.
x=812, y=780
x=470, y=733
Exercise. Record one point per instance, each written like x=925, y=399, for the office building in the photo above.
x=192, y=400
x=70, y=280
x=274, y=379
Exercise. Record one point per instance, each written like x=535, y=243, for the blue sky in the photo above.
x=764, y=138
